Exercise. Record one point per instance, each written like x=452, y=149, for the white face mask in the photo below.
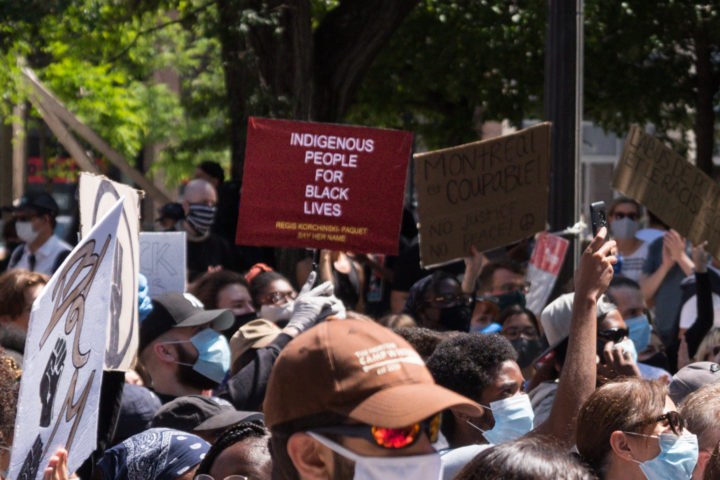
x=415, y=467
x=25, y=231
x=276, y=313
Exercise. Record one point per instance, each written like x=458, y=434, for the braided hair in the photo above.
x=228, y=438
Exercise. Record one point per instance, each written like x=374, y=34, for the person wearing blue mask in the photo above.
x=631, y=430
x=484, y=368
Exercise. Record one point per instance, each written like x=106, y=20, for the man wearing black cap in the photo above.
x=41, y=250
x=181, y=348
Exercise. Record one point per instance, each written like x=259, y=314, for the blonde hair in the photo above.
x=711, y=339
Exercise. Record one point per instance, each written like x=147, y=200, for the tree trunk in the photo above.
x=706, y=89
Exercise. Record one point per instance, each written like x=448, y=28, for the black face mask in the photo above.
x=240, y=320
x=456, y=318
x=527, y=350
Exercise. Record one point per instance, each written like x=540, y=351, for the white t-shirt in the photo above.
x=633, y=264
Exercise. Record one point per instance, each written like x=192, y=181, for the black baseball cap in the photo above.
x=41, y=202
x=171, y=210
x=195, y=413
x=176, y=309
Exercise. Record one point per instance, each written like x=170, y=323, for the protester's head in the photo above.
x=712, y=467
x=625, y=293
x=622, y=431
x=250, y=337
x=137, y=408
x=423, y=340
x=155, y=454
x=204, y=416
x=9, y=386
x=272, y=295
x=224, y=289
x=655, y=222
x=709, y=349
x=701, y=411
x=520, y=326
x=239, y=450
x=483, y=368
x=18, y=290
x=691, y=377
x=501, y=284
x=35, y=217
x=180, y=345
x=169, y=214
x=199, y=203
x=528, y=458
x=624, y=217
x=438, y=302
x=211, y=172
x=336, y=381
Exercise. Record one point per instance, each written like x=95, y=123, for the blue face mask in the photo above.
x=213, y=354
x=639, y=328
x=677, y=458
x=513, y=418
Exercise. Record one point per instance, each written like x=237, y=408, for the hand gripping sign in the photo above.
x=323, y=186
x=64, y=355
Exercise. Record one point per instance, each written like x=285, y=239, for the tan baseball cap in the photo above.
x=255, y=334
x=358, y=369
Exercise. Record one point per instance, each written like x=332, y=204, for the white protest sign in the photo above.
x=162, y=261
x=64, y=355
x=545, y=263
x=98, y=194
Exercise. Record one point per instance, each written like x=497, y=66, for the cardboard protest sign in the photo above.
x=162, y=261
x=323, y=186
x=545, y=263
x=64, y=355
x=679, y=193
x=486, y=194
x=97, y=195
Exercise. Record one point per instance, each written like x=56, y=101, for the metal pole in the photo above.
x=579, y=66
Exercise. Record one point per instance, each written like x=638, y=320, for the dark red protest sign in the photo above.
x=320, y=185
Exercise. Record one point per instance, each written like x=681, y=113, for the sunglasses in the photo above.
x=446, y=301
x=670, y=419
x=613, y=334
x=390, y=438
x=277, y=298
x=512, y=287
x=621, y=215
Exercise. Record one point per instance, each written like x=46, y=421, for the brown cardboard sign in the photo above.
x=487, y=194
x=679, y=193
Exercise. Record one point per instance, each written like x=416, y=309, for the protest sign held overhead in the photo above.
x=545, y=263
x=323, y=186
x=64, y=356
x=98, y=195
x=487, y=194
x=162, y=261
x=679, y=193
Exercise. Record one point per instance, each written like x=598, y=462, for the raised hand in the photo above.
x=50, y=378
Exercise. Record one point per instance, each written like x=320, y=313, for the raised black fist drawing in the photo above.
x=49, y=382
x=32, y=461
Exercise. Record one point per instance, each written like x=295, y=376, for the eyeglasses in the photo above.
x=613, y=334
x=391, y=438
x=528, y=332
x=205, y=476
x=669, y=419
x=280, y=297
x=511, y=287
x=450, y=300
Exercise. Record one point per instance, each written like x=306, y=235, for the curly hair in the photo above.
x=207, y=287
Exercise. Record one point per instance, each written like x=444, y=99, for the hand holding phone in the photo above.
x=598, y=216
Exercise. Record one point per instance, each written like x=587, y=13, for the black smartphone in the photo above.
x=598, y=216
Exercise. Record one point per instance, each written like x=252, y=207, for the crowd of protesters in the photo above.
x=369, y=367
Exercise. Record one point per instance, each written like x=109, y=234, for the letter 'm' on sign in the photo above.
x=484, y=194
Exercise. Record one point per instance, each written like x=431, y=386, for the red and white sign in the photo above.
x=545, y=263
x=323, y=186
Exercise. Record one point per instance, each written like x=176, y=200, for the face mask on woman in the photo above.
x=514, y=418
x=676, y=460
